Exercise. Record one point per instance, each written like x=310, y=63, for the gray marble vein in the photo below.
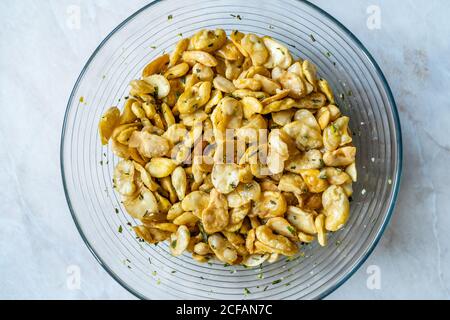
x=40, y=59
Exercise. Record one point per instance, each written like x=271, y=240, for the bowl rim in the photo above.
x=396, y=181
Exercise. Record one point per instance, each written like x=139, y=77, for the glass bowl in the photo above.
x=149, y=271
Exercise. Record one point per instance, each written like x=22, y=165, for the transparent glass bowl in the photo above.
x=149, y=271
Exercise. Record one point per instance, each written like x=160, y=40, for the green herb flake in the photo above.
x=81, y=99
x=180, y=34
x=173, y=271
x=265, y=288
x=153, y=47
x=169, y=17
x=158, y=282
x=101, y=162
x=116, y=210
x=312, y=38
x=173, y=244
x=154, y=273
x=246, y=291
x=276, y=281
x=260, y=276
x=291, y=230
x=272, y=202
x=120, y=229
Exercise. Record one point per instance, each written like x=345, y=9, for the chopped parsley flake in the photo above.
x=291, y=230
x=312, y=38
x=276, y=281
x=246, y=291
x=169, y=17
x=120, y=229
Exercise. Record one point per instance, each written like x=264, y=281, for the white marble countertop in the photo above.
x=41, y=56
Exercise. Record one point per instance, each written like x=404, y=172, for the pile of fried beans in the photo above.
x=232, y=149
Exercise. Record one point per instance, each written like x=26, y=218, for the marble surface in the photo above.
x=41, y=55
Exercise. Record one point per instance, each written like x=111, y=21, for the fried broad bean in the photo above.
x=124, y=178
x=336, y=134
x=179, y=182
x=143, y=203
x=315, y=182
x=283, y=117
x=202, y=72
x=215, y=216
x=321, y=231
x=195, y=201
x=208, y=40
x=244, y=194
x=238, y=242
x=222, y=248
x=271, y=204
x=225, y=177
x=268, y=85
x=186, y=218
x=325, y=88
x=335, y=176
x=351, y=171
x=160, y=167
x=255, y=260
x=311, y=159
x=176, y=54
x=223, y=84
x=179, y=241
x=109, y=120
x=294, y=83
x=175, y=211
x=236, y=37
x=341, y=157
x=291, y=182
x=278, y=152
x=156, y=66
x=305, y=131
x=229, y=51
x=310, y=72
x=283, y=227
x=278, y=243
x=151, y=235
x=251, y=105
x=149, y=145
x=302, y=219
x=194, y=97
x=177, y=71
x=146, y=178
x=200, y=57
x=255, y=48
x=336, y=207
x=251, y=84
x=279, y=55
